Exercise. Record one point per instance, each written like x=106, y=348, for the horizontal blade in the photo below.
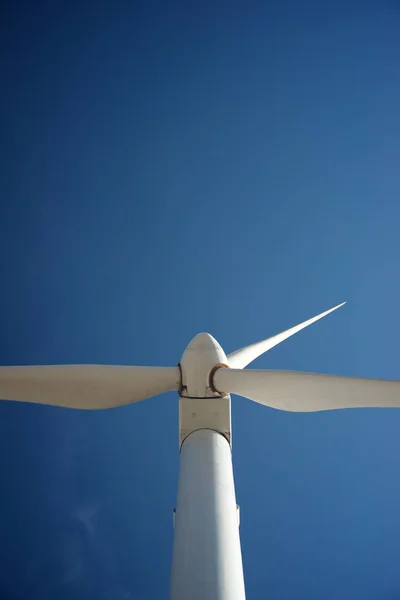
x=307, y=392
x=86, y=386
x=244, y=356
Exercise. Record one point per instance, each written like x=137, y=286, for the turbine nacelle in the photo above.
x=202, y=357
x=200, y=405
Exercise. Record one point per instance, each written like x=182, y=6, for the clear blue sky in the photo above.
x=170, y=168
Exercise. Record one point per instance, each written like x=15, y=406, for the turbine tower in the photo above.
x=206, y=558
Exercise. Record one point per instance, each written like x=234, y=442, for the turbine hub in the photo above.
x=199, y=360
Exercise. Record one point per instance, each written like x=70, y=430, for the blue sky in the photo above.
x=170, y=168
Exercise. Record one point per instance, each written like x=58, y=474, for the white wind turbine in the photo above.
x=207, y=562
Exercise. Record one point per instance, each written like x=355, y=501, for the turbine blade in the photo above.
x=88, y=387
x=307, y=392
x=244, y=356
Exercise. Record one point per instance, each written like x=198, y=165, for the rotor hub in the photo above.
x=202, y=357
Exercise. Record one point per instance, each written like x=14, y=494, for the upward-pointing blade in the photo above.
x=307, y=392
x=244, y=356
x=89, y=387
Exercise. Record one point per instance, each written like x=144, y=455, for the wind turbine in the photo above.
x=206, y=561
